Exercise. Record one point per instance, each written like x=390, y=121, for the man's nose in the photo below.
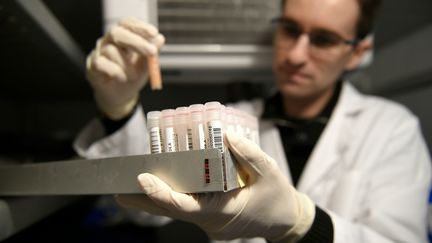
x=299, y=52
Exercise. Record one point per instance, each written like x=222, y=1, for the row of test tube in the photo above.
x=198, y=126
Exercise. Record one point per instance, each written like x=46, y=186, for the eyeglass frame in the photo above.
x=341, y=40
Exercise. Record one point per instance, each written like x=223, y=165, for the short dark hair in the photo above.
x=368, y=13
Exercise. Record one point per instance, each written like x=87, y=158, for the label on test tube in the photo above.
x=182, y=141
x=170, y=140
x=182, y=127
x=199, y=137
x=213, y=115
x=197, y=126
x=153, y=126
x=168, y=131
x=155, y=140
x=215, y=135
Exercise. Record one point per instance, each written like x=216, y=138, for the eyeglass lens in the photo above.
x=318, y=38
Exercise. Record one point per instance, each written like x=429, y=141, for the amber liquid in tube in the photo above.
x=154, y=72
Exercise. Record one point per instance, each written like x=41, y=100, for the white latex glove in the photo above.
x=117, y=68
x=267, y=207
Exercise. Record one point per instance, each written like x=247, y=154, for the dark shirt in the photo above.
x=299, y=136
x=112, y=126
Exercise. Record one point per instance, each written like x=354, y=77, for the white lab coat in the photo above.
x=370, y=170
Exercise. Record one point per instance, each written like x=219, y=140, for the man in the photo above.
x=359, y=163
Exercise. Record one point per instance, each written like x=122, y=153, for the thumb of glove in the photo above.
x=178, y=205
x=249, y=155
x=274, y=210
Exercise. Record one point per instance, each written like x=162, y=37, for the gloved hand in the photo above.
x=267, y=207
x=117, y=68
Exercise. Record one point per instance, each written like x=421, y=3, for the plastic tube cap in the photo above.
x=153, y=119
x=196, y=112
x=167, y=117
x=181, y=115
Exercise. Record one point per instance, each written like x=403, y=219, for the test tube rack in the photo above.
x=189, y=172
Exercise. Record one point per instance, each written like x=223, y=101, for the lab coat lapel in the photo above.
x=333, y=140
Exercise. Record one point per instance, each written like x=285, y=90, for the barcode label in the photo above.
x=170, y=144
x=189, y=138
x=215, y=135
x=155, y=140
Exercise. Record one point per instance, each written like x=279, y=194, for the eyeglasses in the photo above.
x=288, y=31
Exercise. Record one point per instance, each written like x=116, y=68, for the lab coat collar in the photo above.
x=351, y=100
x=331, y=144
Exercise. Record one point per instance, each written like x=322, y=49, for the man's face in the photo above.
x=305, y=67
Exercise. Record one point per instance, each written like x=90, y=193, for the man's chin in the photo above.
x=294, y=90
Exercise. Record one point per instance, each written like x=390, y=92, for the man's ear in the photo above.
x=359, y=52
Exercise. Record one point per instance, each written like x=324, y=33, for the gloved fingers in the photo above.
x=143, y=29
x=179, y=204
x=140, y=202
x=128, y=39
x=139, y=27
x=97, y=76
x=252, y=159
x=158, y=40
x=103, y=65
x=114, y=54
x=132, y=64
x=137, y=68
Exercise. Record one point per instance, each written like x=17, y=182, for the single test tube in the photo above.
x=154, y=72
x=239, y=128
x=246, y=125
x=169, y=137
x=230, y=119
x=182, y=130
x=153, y=126
x=213, y=117
x=197, y=125
x=255, y=130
